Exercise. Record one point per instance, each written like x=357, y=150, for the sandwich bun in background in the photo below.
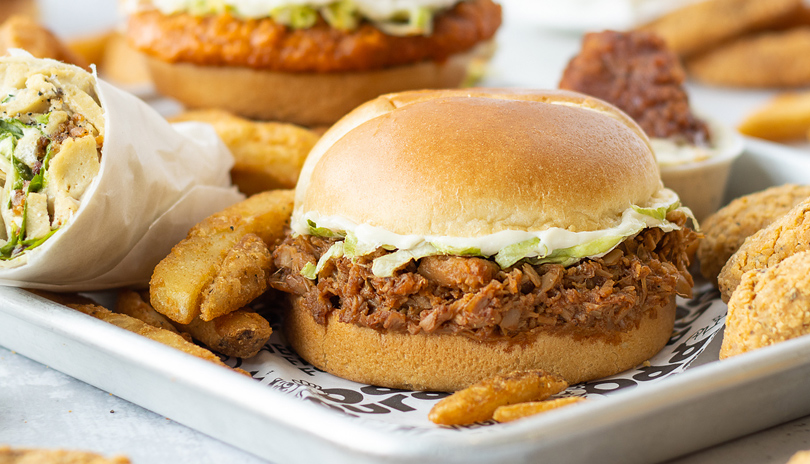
x=261, y=64
x=544, y=179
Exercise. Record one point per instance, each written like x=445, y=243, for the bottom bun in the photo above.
x=452, y=362
x=308, y=99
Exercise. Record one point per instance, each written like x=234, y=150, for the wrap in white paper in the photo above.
x=155, y=182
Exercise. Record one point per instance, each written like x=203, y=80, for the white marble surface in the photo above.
x=45, y=408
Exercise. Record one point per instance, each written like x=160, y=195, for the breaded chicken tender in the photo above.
x=702, y=25
x=784, y=237
x=726, y=230
x=769, y=306
x=773, y=59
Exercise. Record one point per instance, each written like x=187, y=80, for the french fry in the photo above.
x=178, y=284
x=786, y=117
x=240, y=278
x=241, y=333
x=267, y=155
x=174, y=340
x=90, y=47
x=478, y=402
x=518, y=411
x=129, y=302
x=139, y=327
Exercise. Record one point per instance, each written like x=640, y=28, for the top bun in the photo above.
x=473, y=162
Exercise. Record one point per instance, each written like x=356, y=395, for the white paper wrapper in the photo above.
x=155, y=182
x=405, y=412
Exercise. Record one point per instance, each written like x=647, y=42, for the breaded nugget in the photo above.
x=267, y=155
x=787, y=235
x=772, y=59
x=43, y=456
x=769, y=306
x=702, y=25
x=785, y=117
x=726, y=230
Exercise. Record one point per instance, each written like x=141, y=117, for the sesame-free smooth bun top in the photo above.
x=466, y=163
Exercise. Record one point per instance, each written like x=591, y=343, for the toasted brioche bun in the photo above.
x=308, y=99
x=469, y=163
x=451, y=362
x=413, y=163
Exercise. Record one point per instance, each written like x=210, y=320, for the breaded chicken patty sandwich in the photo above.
x=442, y=237
x=307, y=61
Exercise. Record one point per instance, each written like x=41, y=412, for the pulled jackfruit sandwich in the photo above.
x=443, y=237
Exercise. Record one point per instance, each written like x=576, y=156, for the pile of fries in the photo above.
x=202, y=290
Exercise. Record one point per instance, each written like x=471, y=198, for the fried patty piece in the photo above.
x=787, y=235
x=726, y=230
x=638, y=73
x=473, y=297
x=772, y=59
x=702, y=25
x=223, y=40
x=769, y=306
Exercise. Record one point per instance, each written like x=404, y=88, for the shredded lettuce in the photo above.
x=341, y=15
x=42, y=118
x=412, y=22
x=535, y=250
x=295, y=16
x=456, y=251
x=322, y=231
x=659, y=213
x=13, y=127
x=311, y=271
x=353, y=248
x=571, y=255
x=511, y=254
x=386, y=265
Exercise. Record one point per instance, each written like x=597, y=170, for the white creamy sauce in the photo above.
x=379, y=10
x=551, y=239
x=669, y=153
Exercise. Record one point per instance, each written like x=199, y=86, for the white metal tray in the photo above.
x=702, y=406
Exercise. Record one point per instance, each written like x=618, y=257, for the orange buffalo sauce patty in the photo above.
x=224, y=40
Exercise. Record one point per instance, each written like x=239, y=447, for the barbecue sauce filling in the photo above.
x=474, y=297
